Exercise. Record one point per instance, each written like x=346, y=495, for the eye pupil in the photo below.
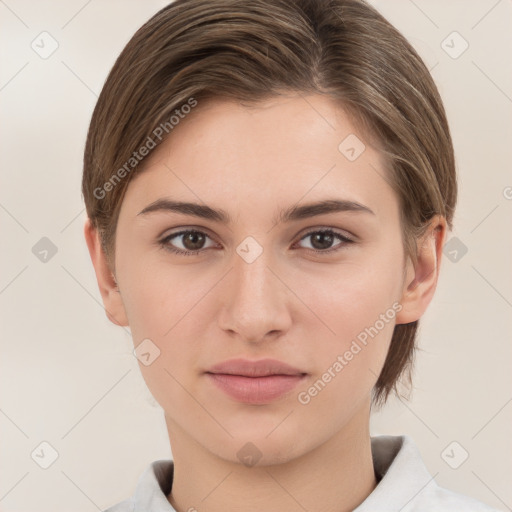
x=196, y=238
x=322, y=240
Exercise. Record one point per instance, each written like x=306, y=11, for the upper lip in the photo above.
x=260, y=368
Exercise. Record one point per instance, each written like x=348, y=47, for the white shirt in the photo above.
x=405, y=485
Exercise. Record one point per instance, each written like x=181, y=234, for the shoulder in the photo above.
x=444, y=500
x=124, y=506
x=151, y=491
x=406, y=484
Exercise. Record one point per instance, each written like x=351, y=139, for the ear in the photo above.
x=421, y=281
x=114, y=307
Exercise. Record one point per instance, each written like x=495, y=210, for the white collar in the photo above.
x=405, y=486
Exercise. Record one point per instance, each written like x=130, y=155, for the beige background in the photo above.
x=68, y=377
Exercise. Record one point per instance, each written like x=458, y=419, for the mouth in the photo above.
x=255, y=382
x=255, y=390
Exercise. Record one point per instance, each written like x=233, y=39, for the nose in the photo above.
x=256, y=299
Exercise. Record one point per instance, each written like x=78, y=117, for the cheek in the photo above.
x=357, y=305
x=160, y=307
x=166, y=305
x=362, y=314
x=158, y=297
x=350, y=297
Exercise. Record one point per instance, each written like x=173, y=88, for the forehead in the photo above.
x=281, y=150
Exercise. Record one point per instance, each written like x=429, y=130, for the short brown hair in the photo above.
x=193, y=50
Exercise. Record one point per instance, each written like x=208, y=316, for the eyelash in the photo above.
x=164, y=243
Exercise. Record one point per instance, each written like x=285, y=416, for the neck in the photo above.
x=335, y=476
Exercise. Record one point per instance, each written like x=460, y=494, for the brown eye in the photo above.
x=322, y=240
x=192, y=242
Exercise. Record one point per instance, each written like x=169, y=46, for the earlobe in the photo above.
x=421, y=280
x=114, y=307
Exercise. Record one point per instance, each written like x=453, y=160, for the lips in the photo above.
x=260, y=368
x=255, y=382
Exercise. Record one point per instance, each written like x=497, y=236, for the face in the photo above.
x=268, y=276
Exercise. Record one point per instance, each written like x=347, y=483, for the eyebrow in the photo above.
x=293, y=213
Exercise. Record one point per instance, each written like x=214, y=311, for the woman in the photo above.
x=269, y=185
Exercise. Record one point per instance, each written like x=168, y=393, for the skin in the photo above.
x=291, y=304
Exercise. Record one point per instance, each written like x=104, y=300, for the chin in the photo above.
x=258, y=451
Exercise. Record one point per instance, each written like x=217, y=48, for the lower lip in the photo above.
x=255, y=390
